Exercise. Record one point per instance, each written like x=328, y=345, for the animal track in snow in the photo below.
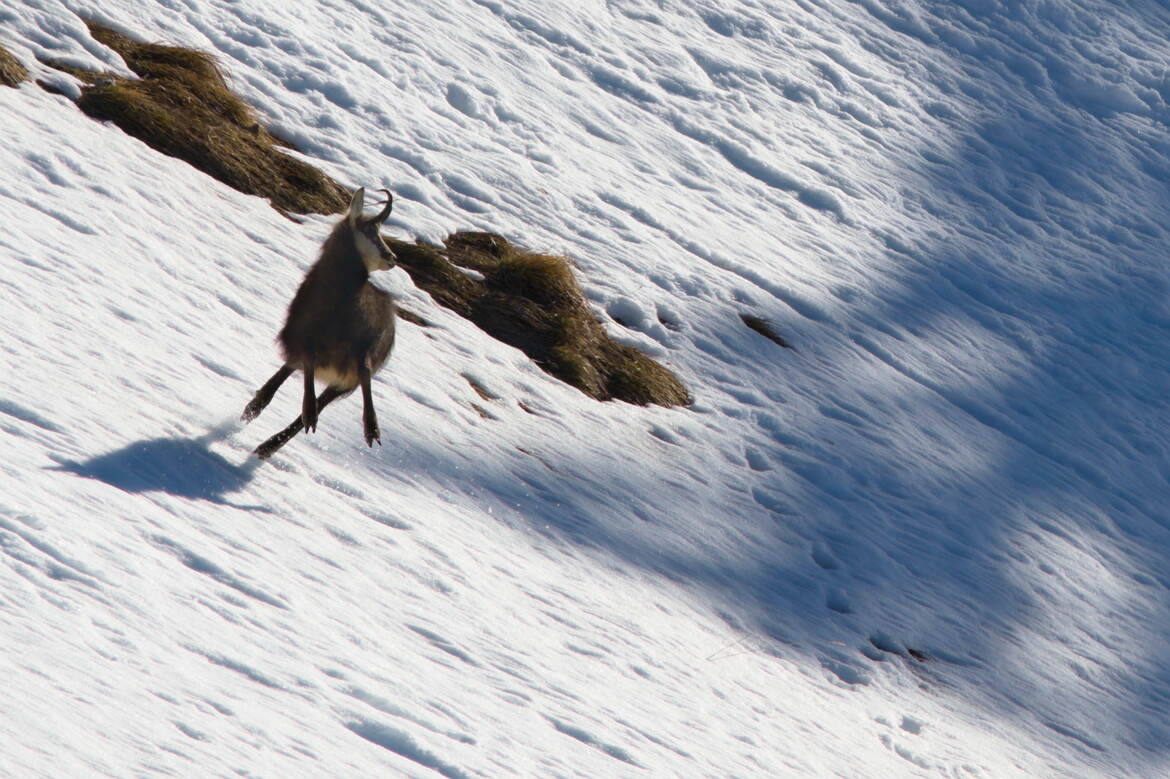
x=756, y=459
x=839, y=602
x=823, y=557
x=845, y=671
x=908, y=725
x=669, y=318
x=904, y=752
x=627, y=313
x=463, y=101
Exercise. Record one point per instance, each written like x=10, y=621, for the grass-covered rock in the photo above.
x=765, y=328
x=182, y=106
x=532, y=301
x=11, y=71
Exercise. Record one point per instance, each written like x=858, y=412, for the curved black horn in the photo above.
x=389, y=205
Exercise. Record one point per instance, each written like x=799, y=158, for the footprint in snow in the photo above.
x=839, y=602
x=903, y=752
x=845, y=672
x=908, y=725
x=912, y=725
x=463, y=101
x=823, y=557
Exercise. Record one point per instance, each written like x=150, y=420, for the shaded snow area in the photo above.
x=932, y=539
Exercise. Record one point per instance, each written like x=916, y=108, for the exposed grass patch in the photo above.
x=765, y=328
x=481, y=390
x=181, y=106
x=410, y=316
x=542, y=278
x=532, y=301
x=11, y=71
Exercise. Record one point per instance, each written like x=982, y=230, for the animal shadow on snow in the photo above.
x=183, y=467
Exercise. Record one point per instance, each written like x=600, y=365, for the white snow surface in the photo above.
x=931, y=540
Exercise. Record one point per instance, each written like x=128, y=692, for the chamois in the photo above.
x=339, y=328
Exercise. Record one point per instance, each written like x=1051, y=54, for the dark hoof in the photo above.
x=309, y=413
x=372, y=435
x=251, y=411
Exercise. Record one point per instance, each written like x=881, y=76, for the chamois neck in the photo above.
x=341, y=255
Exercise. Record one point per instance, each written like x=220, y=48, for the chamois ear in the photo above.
x=355, y=206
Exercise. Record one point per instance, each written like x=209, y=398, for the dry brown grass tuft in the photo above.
x=532, y=301
x=11, y=71
x=182, y=106
x=765, y=328
x=542, y=278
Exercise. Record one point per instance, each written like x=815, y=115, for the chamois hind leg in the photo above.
x=269, y=447
x=309, y=405
x=369, y=418
x=264, y=395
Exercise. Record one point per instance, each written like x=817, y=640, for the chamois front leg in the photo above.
x=369, y=418
x=269, y=447
x=309, y=401
x=264, y=395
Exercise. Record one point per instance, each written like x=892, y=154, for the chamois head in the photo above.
x=375, y=254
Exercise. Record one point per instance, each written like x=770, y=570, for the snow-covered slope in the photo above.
x=931, y=539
